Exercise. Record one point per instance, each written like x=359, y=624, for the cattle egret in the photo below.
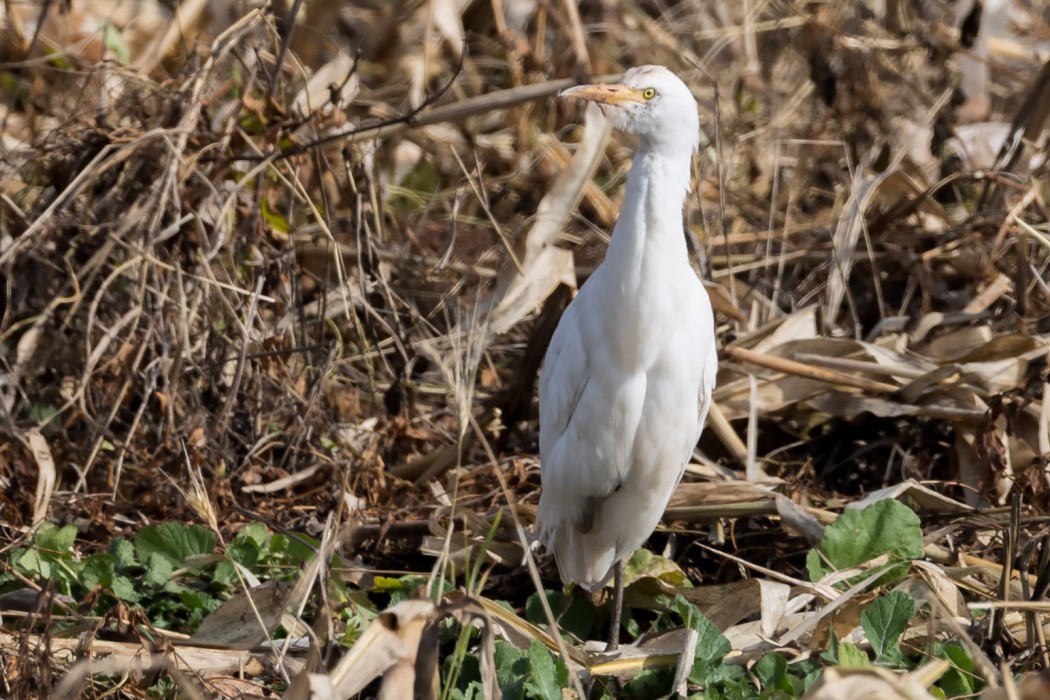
x=626, y=383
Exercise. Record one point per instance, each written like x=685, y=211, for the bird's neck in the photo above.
x=649, y=229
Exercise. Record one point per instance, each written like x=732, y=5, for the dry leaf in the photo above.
x=877, y=683
x=390, y=642
x=245, y=620
x=45, y=478
x=544, y=266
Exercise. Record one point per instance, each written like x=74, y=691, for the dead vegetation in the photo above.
x=301, y=269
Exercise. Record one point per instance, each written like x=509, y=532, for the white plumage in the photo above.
x=627, y=380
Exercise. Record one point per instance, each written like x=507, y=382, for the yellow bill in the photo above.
x=608, y=94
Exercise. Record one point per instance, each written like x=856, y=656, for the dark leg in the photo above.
x=614, y=624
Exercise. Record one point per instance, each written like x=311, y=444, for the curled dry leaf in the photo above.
x=46, y=475
x=466, y=610
x=933, y=582
x=334, y=79
x=913, y=494
x=1034, y=685
x=390, y=642
x=133, y=660
x=847, y=233
x=795, y=518
x=544, y=266
x=877, y=683
x=464, y=550
x=978, y=145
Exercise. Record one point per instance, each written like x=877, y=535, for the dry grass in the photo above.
x=307, y=278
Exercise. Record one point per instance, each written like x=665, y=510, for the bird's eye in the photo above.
x=649, y=93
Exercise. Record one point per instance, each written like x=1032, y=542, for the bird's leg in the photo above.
x=617, y=607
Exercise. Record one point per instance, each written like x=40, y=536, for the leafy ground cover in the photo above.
x=277, y=283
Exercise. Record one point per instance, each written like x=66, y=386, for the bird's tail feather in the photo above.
x=581, y=559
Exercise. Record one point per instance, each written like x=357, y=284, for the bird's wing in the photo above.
x=707, y=346
x=562, y=381
x=589, y=414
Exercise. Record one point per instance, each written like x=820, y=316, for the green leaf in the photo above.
x=852, y=656
x=279, y=223
x=729, y=682
x=831, y=653
x=543, y=676
x=55, y=540
x=460, y=672
x=645, y=564
x=815, y=564
x=711, y=644
x=248, y=544
x=164, y=687
x=512, y=668
x=197, y=600
x=961, y=679
x=808, y=672
x=40, y=413
x=473, y=691
x=30, y=562
x=574, y=612
x=224, y=574
x=292, y=551
x=561, y=671
x=385, y=584
x=124, y=589
x=255, y=533
x=419, y=187
x=115, y=43
x=173, y=541
x=124, y=552
x=253, y=123
x=772, y=673
x=98, y=570
x=405, y=587
x=159, y=569
x=651, y=683
x=858, y=536
x=885, y=620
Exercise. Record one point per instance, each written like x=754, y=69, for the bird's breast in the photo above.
x=650, y=303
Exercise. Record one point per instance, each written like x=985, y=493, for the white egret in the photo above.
x=626, y=383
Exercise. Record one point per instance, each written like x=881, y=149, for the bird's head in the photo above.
x=650, y=101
